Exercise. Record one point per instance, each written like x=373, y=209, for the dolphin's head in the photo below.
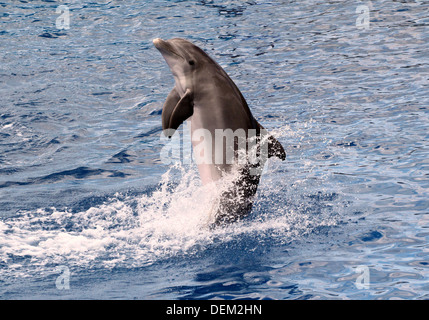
x=183, y=58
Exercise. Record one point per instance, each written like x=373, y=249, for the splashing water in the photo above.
x=172, y=220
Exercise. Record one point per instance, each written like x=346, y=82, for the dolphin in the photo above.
x=205, y=94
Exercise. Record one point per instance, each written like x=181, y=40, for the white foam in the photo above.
x=140, y=230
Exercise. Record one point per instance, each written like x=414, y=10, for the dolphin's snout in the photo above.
x=157, y=41
x=166, y=48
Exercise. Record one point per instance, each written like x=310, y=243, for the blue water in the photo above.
x=83, y=189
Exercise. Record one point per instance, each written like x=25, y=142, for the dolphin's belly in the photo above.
x=211, y=173
x=209, y=131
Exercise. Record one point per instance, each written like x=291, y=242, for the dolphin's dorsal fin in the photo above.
x=275, y=149
x=176, y=109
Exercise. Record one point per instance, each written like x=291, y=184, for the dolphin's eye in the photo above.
x=191, y=62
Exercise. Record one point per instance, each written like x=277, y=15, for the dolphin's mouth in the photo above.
x=165, y=47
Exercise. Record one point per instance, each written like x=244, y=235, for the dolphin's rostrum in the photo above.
x=204, y=93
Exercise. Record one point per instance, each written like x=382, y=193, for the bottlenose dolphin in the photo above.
x=204, y=93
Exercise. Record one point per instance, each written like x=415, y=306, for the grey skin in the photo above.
x=204, y=93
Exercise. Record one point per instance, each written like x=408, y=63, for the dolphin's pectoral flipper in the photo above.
x=176, y=110
x=275, y=149
x=183, y=110
x=170, y=103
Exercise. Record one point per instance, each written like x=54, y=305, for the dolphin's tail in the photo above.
x=236, y=200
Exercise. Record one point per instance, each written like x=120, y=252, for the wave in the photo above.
x=77, y=173
x=165, y=221
x=136, y=231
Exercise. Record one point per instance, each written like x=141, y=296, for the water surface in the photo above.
x=82, y=185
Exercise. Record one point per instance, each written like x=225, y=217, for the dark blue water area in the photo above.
x=90, y=209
